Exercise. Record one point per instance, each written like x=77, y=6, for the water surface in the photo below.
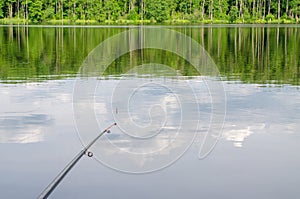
x=256, y=156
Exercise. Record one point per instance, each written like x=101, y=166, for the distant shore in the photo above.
x=14, y=21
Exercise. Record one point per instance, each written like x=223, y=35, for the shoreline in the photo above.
x=151, y=25
x=138, y=23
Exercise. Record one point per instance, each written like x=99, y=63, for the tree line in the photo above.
x=237, y=11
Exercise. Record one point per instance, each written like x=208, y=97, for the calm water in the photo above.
x=172, y=109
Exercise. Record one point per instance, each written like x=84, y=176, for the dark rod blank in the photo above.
x=49, y=189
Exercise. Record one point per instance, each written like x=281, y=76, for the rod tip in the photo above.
x=115, y=124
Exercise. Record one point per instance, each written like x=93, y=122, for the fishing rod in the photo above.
x=49, y=189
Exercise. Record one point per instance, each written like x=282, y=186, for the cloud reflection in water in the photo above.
x=23, y=129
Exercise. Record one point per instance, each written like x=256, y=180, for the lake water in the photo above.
x=56, y=97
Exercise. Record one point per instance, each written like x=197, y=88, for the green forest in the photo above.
x=149, y=11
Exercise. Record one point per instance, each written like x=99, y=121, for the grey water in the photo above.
x=163, y=115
